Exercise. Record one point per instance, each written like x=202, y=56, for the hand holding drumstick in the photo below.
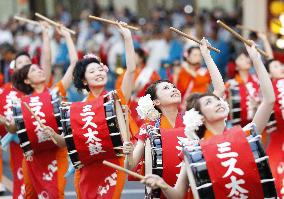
x=148, y=180
x=46, y=129
x=112, y=22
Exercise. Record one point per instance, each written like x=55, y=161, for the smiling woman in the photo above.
x=29, y=78
x=35, y=141
x=167, y=98
x=214, y=112
x=91, y=74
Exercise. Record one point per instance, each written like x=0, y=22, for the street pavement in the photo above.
x=133, y=190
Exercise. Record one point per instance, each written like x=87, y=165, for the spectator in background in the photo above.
x=59, y=52
x=63, y=15
x=8, y=54
x=221, y=59
x=175, y=50
x=6, y=35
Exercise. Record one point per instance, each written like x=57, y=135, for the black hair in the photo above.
x=19, y=77
x=267, y=64
x=22, y=53
x=193, y=101
x=237, y=52
x=79, y=72
x=141, y=53
x=189, y=50
x=152, y=91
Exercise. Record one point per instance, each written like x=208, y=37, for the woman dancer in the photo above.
x=31, y=80
x=9, y=93
x=214, y=113
x=166, y=99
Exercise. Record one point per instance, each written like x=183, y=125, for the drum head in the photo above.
x=121, y=120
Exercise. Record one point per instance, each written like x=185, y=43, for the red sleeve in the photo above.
x=143, y=134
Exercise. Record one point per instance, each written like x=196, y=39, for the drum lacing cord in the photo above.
x=261, y=159
x=204, y=186
x=254, y=138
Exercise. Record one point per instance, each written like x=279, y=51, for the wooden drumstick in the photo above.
x=26, y=20
x=54, y=23
x=38, y=120
x=112, y=22
x=136, y=175
x=126, y=110
x=241, y=37
x=193, y=39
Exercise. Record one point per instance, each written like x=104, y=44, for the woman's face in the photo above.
x=194, y=57
x=243, y=62
x=36, y=75
x=167, y=94
x=22, y=61
x=95, y=75
x=213, y=109
x=276, y=70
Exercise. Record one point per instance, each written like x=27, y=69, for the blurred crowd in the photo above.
x=159, y=48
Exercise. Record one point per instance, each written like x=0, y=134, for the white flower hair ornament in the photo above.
x=192, y=120
x=146, y=108
x=12, y=64
x=90, y=55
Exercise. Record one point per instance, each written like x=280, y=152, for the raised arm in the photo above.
x=45, y=61
x=73, y=57
x=127, y=85
x=264, y=110
x=266, y=43
x=216, y=78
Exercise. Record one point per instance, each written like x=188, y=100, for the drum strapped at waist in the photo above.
x=22, y=133
x=116, y=124
x=235, y=105
x=155, y=166
x=198, y=175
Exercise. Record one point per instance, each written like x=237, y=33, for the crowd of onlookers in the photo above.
x=163, y=49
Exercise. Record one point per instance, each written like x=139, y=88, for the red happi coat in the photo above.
x=220, y=152
x=48, y=163
x=9, y=93
x=108, y=183
x=245, y=94
x=171, y=142
x=245, y=161
x=275, y=149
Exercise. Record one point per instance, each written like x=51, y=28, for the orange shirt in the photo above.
x=200, y=82
x=154, y=77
